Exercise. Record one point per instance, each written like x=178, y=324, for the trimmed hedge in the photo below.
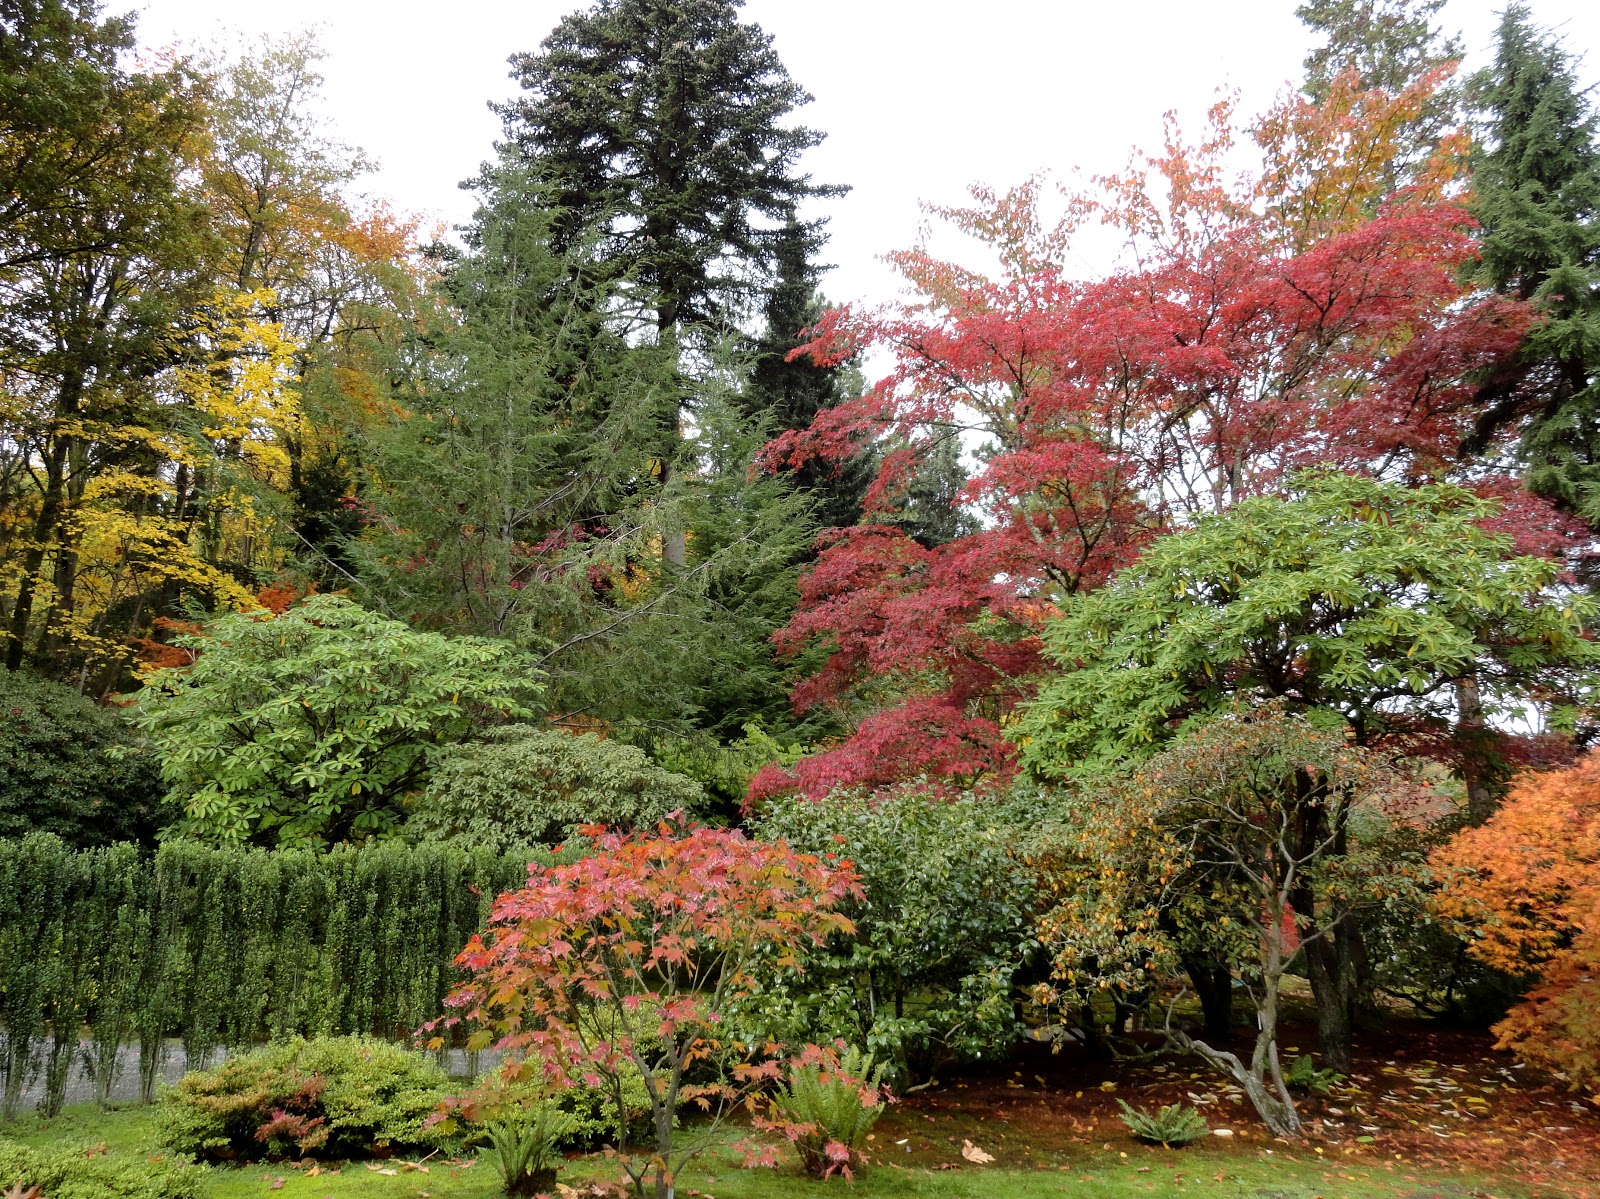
x=223, y=948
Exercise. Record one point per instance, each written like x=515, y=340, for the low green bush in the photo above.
x=73, y=768
x=594, y=1119
x=1303, y=1074
x=588, y=1113
x=331, y=1097
x=90, y=1173
x=941, y=934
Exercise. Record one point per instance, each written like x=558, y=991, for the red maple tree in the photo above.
x=1259, y=328
x=627, y=962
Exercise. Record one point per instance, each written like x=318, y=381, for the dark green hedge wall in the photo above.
x=223, y=948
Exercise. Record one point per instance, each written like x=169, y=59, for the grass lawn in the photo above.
x=1126, y=1169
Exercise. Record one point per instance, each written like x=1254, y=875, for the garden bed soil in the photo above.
x=1417, y=1097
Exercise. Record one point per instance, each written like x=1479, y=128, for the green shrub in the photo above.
x=316, y=726
x=588, y=1112
x=526, y=786
x=332, y=1097
x=89, y=1173
x=593, y=1115
x=927, y=979
x=72, y=768
x=1173, y=1125
x=823, y=1106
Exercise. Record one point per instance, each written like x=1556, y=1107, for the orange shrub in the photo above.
x=1524, y=888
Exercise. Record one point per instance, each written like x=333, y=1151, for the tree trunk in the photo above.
x=1472, y=744
x=45, y=525
x=1333, y=986
x=1331, y=937
x=674, y=542
x=1213, y=983
x=1261, y=1080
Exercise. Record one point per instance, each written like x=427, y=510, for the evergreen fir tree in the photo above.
x=788, y=394
x=1537, y=181
x=1388, y=43
x=520, y=498
x=664, y=123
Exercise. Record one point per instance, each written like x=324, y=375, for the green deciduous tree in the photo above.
x=1362, y=600
x=1359, y=597
x=102, y=260
x=315, y=726
x=1214, y=845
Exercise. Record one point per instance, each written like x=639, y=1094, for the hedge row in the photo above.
x=222, y=948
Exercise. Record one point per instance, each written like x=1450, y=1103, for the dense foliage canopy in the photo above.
x=317, y=724
x=1361, y=599
x=71, y=768
x=526, y=786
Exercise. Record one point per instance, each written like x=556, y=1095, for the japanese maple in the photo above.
x=627, y=960
x=1524, y=888
x=1256, y=328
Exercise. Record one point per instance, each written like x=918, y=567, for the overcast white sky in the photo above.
x=918, y=97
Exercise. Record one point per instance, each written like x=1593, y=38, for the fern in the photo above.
x=1174, y=1125
x=1304, y=1074
x=828, y=1105
x=525, y=1150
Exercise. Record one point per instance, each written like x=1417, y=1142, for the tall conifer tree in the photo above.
x=789, y=393
x=1537, y=181
x=1388, y=43
x=664, y=125
x=665, y=122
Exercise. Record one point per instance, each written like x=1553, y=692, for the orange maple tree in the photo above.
x=1524, y=888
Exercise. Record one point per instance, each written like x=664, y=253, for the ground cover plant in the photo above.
x=94, y=1172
